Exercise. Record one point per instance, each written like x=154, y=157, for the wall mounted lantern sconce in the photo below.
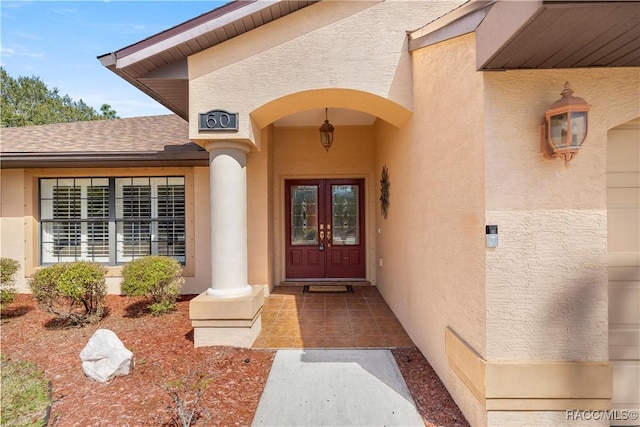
x=326, y=132
x=565, y=127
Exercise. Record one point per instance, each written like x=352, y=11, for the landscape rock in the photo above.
x=105, y=357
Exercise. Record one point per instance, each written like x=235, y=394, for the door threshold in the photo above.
x=325, y=282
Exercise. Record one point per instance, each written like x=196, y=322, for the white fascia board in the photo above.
x=203, y=28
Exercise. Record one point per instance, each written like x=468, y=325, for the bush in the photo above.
x=73, y=291
x=8, y=269
x=157, y=277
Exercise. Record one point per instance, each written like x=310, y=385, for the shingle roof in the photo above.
x=139, y=141
x=136, y=134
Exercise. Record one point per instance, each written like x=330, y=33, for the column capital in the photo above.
x=227, y=144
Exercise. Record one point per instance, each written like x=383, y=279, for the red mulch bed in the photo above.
x=163, y=351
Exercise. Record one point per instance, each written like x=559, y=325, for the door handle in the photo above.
x=321, y=247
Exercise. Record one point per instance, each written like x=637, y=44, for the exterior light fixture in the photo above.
x=565, y=127
x=326, y=132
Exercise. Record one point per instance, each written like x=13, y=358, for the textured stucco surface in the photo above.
x=321, y=46
x=432, y=242
x=13, y=221
x=546, y=282
x=517, y=177
x=547, y=286
x=260, y=214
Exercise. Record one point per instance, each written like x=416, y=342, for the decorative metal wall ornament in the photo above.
x=384, y=192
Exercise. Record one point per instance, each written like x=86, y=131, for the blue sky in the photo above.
x=59, y=42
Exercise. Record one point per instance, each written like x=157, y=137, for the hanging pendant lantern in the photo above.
x=326, y=132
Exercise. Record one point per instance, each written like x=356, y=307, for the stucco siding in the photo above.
x=517, y=175
x=201, y=278
x=550, y=266
x=13, y=221
x=546, y=286
x=259, y=200
x=546, y=295
x=432, y=242
x=320, y=46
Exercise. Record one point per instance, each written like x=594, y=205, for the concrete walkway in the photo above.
x=336, y=388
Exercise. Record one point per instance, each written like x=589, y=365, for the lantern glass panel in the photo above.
x=578, y=128
x=558, y=130
x=326, y=138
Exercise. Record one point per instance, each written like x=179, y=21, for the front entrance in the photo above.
x=325, y=229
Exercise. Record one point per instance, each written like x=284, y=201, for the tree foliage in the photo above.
x=26, y=101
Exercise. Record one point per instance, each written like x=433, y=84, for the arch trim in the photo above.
x=383, y=108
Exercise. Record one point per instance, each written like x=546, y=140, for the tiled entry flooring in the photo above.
x=362, y=319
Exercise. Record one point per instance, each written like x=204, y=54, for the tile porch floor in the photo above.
x=362, y=319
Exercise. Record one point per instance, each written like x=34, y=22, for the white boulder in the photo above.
x=105, y=356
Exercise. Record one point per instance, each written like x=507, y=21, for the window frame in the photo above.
x=115, y=259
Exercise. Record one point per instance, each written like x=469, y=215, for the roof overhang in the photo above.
x=537, y=34
x=104, y=160
x=158, y=65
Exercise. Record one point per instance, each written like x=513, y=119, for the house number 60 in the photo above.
x=218, y=120
x=222, y=121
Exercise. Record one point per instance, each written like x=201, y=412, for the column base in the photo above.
x=230, y=293
x=232, y=322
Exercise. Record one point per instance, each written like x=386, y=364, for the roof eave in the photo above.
x=103, y=160
x=139, y=62
x=180, y=112
x=542, y=34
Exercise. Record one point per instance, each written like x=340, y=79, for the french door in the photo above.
x=325, y=229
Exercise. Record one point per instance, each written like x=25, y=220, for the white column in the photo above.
x=228, y=189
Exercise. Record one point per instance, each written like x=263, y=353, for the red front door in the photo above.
x=325, y=229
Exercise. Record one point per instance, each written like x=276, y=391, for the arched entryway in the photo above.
x=324, y=201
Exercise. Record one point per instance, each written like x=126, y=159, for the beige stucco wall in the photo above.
x=360, y=46
x=19, y=227
x=547, y=281
x=432, y=242
x=546, y=284
x=541, y=296
x=299, y=154
x=260, y=213
x=12, y=220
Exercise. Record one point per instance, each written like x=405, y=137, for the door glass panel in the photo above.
x=304, y=215
x=345, y=215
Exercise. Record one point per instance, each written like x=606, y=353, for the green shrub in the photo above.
x=156, y=277
x=73, y=291
x=8, y=269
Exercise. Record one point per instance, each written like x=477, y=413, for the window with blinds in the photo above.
x=112, y=220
